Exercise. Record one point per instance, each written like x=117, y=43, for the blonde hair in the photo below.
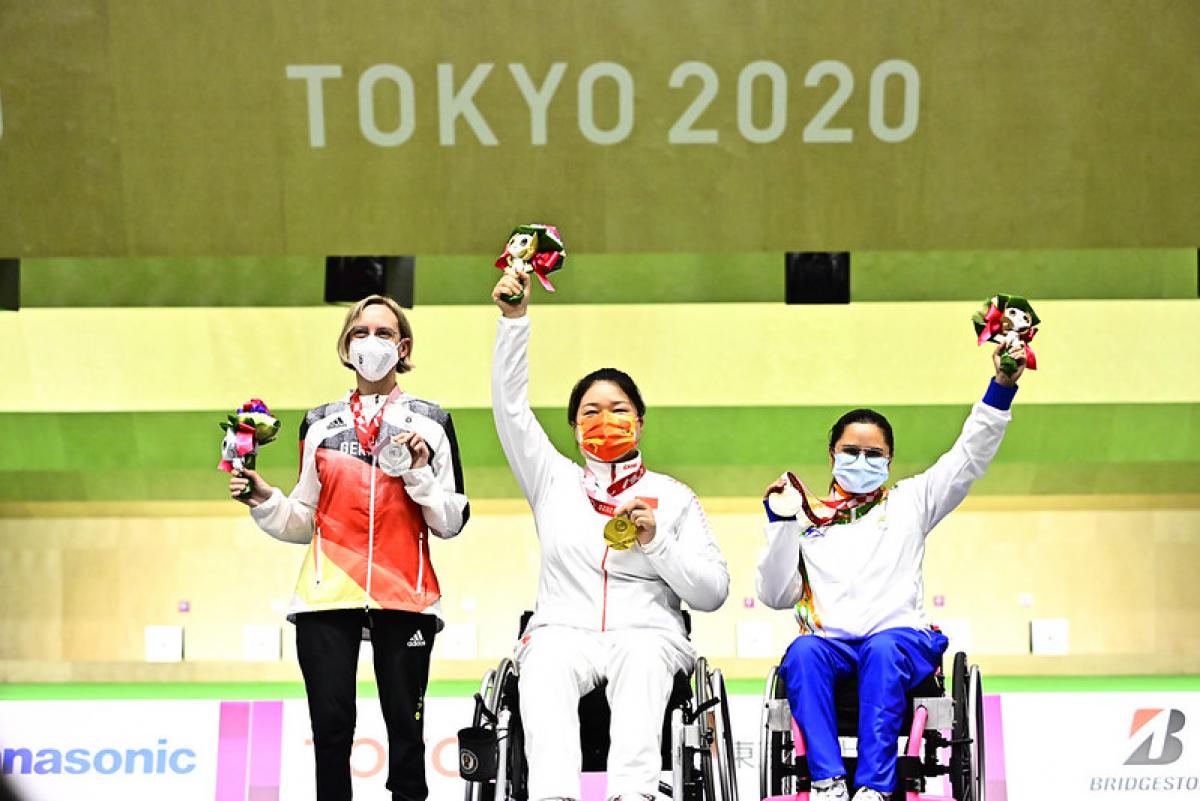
x=405, y=329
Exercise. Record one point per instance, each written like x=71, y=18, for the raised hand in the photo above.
x=417, y=447
x=510, y=284
x=1018, y=355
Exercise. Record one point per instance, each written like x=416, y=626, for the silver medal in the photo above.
x=394, y=459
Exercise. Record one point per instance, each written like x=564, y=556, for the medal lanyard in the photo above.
x=368, y=430
x=606, y=505
x=840, y=507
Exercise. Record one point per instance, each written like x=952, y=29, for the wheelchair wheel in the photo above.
x=703, y=694
x=512, y=778
x=486, y=688
x=963, y=754
x=975, y=727
x=772, y=744
x=723, y=738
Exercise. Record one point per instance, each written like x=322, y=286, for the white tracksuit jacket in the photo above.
x=601, y=615
x=584, y=584
x=866, y=575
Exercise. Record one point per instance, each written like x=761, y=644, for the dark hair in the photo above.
x=869, y=416
x=621, y=379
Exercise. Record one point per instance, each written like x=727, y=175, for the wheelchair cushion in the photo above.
x=845, y=697
x=595, y=719
x=527, y=615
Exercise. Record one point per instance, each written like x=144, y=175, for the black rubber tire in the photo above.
x=979, y=766
x=728, y=760
x=961, y=775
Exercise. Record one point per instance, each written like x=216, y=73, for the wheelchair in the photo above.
x=697, y=739
x=783, y=766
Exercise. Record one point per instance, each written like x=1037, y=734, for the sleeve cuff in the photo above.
x=515, y=322
x=999, y=397
x=656, y=545
x=418, y=477
x=772, y=517
x=267, y=507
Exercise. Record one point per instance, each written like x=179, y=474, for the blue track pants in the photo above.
x=888, y=664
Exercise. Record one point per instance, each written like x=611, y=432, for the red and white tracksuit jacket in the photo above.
x=369, y=531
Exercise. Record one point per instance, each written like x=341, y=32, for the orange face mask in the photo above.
x=608, y=436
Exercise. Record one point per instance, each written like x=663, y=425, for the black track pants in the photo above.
x=327, y=646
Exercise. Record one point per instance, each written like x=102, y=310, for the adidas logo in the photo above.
x=337, y=423
x=416, y=641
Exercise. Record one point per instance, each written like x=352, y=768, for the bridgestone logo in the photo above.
x=1159, y=745
x=1153, y=734
x=1162, y=784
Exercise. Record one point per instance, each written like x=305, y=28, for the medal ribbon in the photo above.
x=368, y=430
x=606, y=506
x=841, y=507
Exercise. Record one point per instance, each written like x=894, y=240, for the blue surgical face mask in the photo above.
x=860, y=474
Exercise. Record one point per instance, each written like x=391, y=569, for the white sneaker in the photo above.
x=867, y=794
x=830, y=790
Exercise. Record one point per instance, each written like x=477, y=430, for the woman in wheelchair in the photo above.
x=854, y=576
x=603, y=614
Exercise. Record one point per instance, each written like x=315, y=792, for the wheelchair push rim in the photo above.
x=774, y=746
x=723, y=738
x=703, y=693
x=976, y=729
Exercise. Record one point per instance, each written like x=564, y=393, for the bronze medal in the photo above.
x=786, y=503
x=620, y=533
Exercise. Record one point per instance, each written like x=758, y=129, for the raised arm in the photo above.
x=529, y=451
x=941, y=488
x=690, y=562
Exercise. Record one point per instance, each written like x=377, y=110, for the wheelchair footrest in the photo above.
x=799, y=768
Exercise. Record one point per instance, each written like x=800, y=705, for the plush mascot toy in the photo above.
x=1010, y=321
x=536, y=249
x=246, y=430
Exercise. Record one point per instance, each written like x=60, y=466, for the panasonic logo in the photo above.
x=105, y=761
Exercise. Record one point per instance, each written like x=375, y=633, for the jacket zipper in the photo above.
x=604, y=607
x=421, y=562
x=612, y=478
x=317, y=557
x=370, y=536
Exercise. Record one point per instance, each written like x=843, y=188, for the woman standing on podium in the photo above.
x=608, y=602
x=379, y=473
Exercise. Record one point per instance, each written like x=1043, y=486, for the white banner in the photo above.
x=1070, y=747
x=1094, y=746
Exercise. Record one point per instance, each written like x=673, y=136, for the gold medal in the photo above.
x=620, y=533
